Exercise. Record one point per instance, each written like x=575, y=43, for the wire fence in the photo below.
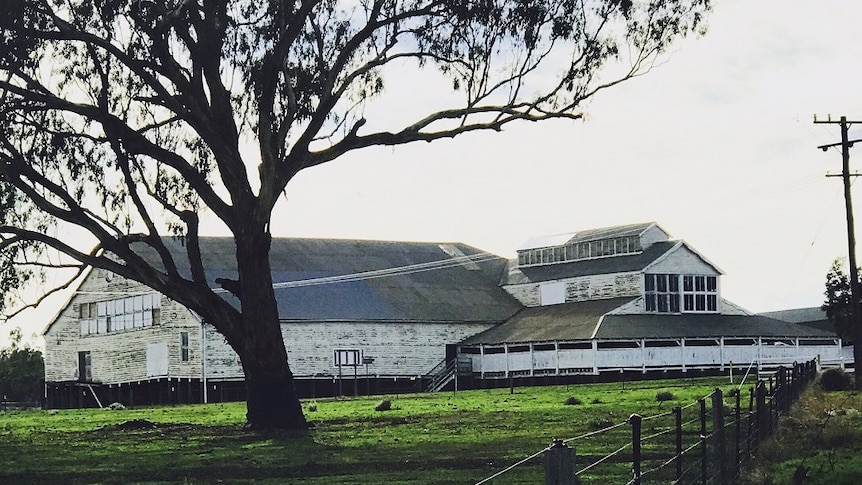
x=705, y=442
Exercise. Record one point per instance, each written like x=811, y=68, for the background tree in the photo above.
x=126, y=119
x=21, y=371
x=837, y=304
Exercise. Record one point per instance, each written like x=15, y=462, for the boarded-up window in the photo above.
x=157, y=359
x=553, y=293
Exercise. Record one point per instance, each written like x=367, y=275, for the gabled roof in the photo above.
x=568, y=321
x=586, y=267
x=812, y=317
x=588, y=235
x=594, y=320
x=432, y=282
x=677, y=246
x=701, y=326
x=798, y=315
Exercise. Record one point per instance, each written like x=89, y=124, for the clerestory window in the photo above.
x=661, y=293
x=674, y=293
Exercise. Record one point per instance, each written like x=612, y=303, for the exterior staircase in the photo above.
x=441, y=375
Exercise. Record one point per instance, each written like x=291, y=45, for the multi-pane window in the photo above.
x=661, y=293
x=664, y=292
x=700, y=293
x=184, y=346
x=119, y=315
x=600, y=248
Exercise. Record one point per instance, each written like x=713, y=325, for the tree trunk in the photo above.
x=271, y=396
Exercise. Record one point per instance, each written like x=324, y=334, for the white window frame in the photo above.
x=346, y=357
x=661, y=293
x=696, y=289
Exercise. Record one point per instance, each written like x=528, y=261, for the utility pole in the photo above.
x=855, y=315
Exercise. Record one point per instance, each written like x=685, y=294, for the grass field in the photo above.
x=822, y=433
x=442, y=438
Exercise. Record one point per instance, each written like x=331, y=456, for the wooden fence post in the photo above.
x=751, y=423
x=738, y=417
x=635, y=422
x=782, y=390
x=677, y=413
x=762, y=412
x=560, y=464
x=719, y=434
x=703, y=448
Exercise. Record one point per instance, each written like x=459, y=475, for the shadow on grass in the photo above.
x=160, y=452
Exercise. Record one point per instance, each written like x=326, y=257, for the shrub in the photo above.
x=835, y=380
x=664, y=396
x=312, y=407
x=573, y=401
x=384, y=405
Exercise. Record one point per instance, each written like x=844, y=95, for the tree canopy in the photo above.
x=837, y=303
x=124, y=120
x=21, y=371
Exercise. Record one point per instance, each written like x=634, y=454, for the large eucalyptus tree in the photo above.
x=125, y=119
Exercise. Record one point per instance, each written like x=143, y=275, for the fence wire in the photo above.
x=721, y=454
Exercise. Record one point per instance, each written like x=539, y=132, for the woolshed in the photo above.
x=356, y=317
x=363, y=317
x=629, y=299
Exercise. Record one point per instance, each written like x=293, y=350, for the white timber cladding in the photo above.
x=121, y=356
x=677, y=264
x=582, y=288
x=652, y=235
x=591, y=357
x=682, y=260
x=398, y=349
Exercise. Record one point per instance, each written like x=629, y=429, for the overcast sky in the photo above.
x=716, y=145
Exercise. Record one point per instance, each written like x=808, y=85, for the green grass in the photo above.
x=822, y=433
x=441, y=438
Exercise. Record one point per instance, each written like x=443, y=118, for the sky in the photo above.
x=717, y=145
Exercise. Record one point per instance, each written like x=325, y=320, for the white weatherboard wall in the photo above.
x=681, y=260
x=122, y=356
x=582, y=288
x=398, y=348
x=652, y=235
x=519, y=360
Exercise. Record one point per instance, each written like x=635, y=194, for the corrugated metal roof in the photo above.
x=701, y=325
x=568, y=321
x=587, y=267
x=454, y=291
x=555, y=240
x=798, y=315
x=549, y=241
x=812, y=317
x=579, y=321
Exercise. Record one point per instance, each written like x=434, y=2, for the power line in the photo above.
x=465, y=260
x=855, y=313
x=395, y=271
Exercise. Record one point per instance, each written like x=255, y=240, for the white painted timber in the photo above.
x=652, y=235
x=582, y=288
x=400, y=349
x=121, y=356
x=650, y=355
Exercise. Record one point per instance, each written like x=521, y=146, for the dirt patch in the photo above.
x=133, y=425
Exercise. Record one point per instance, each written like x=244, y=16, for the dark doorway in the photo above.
x=85, y=369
